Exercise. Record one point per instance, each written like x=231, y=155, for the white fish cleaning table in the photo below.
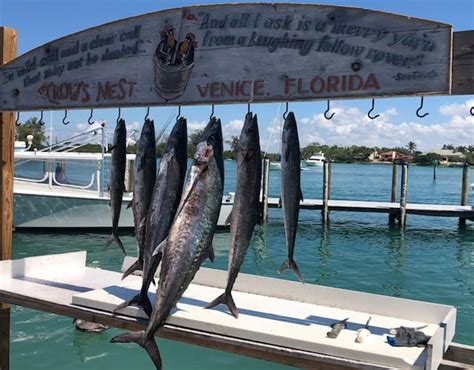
x=280, y=321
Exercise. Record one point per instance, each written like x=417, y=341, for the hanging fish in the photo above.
x=188, y=242
x=290, y=189
x=246, y=210
x=117, y=179
x=164, y=204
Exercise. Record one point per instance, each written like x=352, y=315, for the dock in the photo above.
x=281, y=321
x=383, y=207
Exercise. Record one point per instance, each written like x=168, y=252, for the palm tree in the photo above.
x=411, y=146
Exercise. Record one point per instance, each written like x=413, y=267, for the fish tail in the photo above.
x=225, y=298
x=148, y=344
x=115, y=238
x=290, y=264
x=140, y=300
x=136, y=266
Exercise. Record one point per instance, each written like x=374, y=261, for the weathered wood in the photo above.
x=460, y=353
x=233, y=53
x=463, y=63
x=464, y=190
x=325, y=210
x=403, y=195
x=8, y=46
x=265, y=185
x=393, y=194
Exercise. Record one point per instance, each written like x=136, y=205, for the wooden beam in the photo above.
x=8, y=44
x=463, y=63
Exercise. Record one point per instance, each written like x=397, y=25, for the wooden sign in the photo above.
x=233, y=53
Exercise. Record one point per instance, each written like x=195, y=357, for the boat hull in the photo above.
x=314, y=163
x=59, y=212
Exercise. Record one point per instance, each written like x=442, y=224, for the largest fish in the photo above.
x=162, y=210
x=117, y=179
x=246, y=211
x=144, y=181
x=290, y=189
x=188, y=243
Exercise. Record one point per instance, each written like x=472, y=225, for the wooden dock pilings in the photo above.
x=326, y=189
x=393, y=195
x=403, y=195
x=265, y=181
x=464, y=190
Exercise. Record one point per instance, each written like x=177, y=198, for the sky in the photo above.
x=449, y=122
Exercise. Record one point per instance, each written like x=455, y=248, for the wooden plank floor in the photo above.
x=383, y=207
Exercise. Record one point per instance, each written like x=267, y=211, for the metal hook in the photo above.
x=285, y=113
x=371, y=110
x=179, y=113
x=41, y=122
x=17, y=121
x=147, y=113
x=65, y=116
x=212, y=112
x=471, y=111
x=420, y=108
x=90, y=117
x=248, y=107
x=326, y=113
x=119, y=116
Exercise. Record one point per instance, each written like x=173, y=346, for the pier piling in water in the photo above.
x=265, y=181
x=8, y=45
x=393, y=195
x=403, y=194
x=464, y=190
x=326, y=187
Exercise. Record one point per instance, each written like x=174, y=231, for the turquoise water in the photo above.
x=431, y=260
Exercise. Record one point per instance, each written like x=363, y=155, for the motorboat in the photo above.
x=59, y=188
x=316, y=159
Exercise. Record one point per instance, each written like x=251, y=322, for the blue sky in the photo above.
x=40, y=21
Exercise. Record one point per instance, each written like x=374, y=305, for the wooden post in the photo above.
x=325, y=210
x=265, y=181
x=435, y=162
x=393, y=195
x=8, y=44
x=403, y=194
x=329, y=179
x=464, y=190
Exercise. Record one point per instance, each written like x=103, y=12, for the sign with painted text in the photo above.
x=233, y=53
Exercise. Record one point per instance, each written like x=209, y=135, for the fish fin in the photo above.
x=115, y=238
x=210, y=253
x=279, y=202
x=227, y=221
x=153, y=281
x=290, y=264
x=136, y=266
x=148, y=344
x=159, y=248
x=301, y=195
x=140, y=301
x=225, y=298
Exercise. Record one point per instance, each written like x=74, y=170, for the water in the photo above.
x=432, y=260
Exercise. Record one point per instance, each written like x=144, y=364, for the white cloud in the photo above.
x=196, y=125
x=457, y=109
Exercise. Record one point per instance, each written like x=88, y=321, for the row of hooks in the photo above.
x=285, y=113
x=369, y=113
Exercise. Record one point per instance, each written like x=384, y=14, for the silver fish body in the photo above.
x=187, y=244
x=290, y=188
x=246, y=210
x=164, y=203
x=117, y=180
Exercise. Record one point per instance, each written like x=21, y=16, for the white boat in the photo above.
x=316, y=159
x=275, y=166
x=63, y=190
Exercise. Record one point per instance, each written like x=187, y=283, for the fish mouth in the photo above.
x=204, y=153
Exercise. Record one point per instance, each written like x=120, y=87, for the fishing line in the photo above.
x=165, y=126
x=277, y=115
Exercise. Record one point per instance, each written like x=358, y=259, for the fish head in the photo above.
x=249, y=137
x=179, y=135
x=204, y=153
x=212, y=135
x=289, y=128
x=148, y=129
